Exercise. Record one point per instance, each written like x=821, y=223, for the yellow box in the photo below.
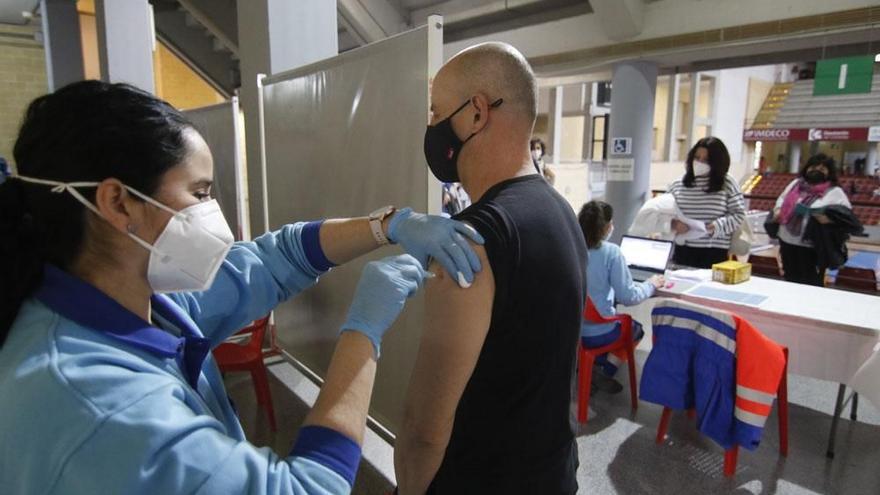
x=731, y=272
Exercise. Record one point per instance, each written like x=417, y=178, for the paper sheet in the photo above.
x=696, y=229
x=727, y=295
x=700, y=275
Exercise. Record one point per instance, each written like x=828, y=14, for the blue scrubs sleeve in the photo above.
x=160, y=445
x=255, y=278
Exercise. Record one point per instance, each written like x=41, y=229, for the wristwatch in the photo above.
x=376, y=219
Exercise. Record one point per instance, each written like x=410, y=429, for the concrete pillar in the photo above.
x=672, y=118
x=871, y=162
x=62, y=42
x=694, y=109
x=126, y=40
x=632, y=116
x=587, y=140
x=275, y=36
x=556, y=105
x=794, y=157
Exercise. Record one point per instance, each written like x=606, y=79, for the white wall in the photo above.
x=733, y=95
x=572, y=182
x=731, y=99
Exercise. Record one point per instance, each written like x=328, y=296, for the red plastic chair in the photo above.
x=730, y=455
x=587, y=356
x=232, y=356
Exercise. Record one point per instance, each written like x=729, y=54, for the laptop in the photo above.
x=645, y=257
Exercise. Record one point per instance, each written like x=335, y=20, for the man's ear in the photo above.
x=480, y=103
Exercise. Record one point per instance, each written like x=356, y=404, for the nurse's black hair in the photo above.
x=85, y=132
x=719, y=163
x=594, y=218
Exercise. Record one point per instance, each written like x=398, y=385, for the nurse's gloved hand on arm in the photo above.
x=381, y=293
x=429, y=236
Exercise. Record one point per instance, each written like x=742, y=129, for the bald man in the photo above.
x=488, y=405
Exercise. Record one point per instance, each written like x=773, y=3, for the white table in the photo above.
x=829, y=333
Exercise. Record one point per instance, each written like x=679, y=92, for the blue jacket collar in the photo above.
x=84, y=304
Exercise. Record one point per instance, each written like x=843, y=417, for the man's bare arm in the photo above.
x=457, y=321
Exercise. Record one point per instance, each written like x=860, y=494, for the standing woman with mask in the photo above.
x=538, y=149
x=709, y=194
x=118, y=277
x=815, y=188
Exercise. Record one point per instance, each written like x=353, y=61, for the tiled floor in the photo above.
x=618, y=453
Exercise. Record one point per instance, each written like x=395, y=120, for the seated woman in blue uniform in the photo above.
x=119, y=274
x=609, y=282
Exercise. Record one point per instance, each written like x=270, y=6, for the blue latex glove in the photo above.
x=381, y=293
x=430, y=236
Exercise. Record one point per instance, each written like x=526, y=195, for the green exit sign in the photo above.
x=843, y=76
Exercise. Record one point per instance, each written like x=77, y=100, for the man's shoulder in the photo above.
x=489, y=217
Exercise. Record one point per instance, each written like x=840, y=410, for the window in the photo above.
x=603, y=94
x=600, y=136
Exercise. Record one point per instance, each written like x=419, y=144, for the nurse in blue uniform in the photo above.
x=118, y=275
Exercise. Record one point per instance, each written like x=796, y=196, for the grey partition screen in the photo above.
x=220, y=125
x=342, y=138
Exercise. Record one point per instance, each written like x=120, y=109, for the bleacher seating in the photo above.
x=771, y=185
x=803, y=110
x=868, y=215
x=857, y=279
x=860, y=190
x=760, y=204
x=765, y=266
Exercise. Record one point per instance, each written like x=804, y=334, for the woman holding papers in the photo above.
x=808, y=196
x=709, y=195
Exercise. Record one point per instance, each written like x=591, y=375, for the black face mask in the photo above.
x=442, y=146
x=815, y=177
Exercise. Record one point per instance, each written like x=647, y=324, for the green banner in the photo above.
x=843, y=76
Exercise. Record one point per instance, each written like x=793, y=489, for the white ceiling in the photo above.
x=10, y=10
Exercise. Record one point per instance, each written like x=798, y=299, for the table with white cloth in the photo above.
x=829, y=333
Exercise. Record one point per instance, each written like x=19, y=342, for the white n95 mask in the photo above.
x=190, y=250
x=701, y=168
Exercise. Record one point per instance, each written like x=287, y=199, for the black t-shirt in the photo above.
x=513, y=431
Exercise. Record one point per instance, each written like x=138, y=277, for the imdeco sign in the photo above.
x=814, y=134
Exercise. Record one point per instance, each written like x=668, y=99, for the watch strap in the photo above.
x=378, y=233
